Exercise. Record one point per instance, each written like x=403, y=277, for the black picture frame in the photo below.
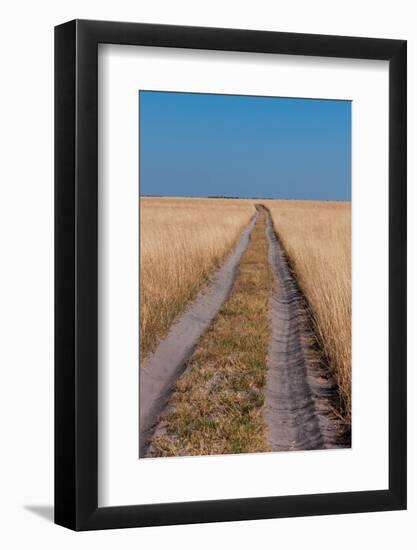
x=76, y=272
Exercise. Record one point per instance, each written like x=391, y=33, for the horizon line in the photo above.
x=231, y=197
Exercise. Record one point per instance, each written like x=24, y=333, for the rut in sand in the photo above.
x=300, y=391
x=161, y=370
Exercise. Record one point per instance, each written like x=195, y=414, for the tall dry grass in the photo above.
x=182, y=242
x=317, y=238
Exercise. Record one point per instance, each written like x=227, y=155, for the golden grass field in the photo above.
x=182, y=241
x=317, y=238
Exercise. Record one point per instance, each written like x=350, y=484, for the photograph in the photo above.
x=208, y=234
x=245, y=274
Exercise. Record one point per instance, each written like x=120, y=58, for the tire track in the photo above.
x=299, y=391
x=161, y=370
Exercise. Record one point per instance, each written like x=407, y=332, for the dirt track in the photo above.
x=299, y=392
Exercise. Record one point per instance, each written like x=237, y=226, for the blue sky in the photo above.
x=200, y=145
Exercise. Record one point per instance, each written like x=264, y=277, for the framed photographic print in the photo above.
x=230, y=252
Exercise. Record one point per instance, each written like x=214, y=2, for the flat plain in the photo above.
x=217, y=405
